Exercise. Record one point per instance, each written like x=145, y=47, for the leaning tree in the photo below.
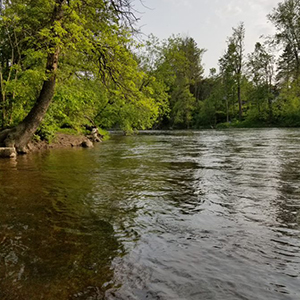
x=56, y=28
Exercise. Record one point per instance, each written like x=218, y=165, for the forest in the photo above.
x=68, y=63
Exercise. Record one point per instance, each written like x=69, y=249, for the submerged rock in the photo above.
x=87, y=144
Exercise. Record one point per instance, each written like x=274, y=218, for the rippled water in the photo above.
x=211, y=215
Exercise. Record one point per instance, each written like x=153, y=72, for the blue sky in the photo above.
x=209, y=22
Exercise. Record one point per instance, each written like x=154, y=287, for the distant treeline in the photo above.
x=64, y=64
x=254, y=90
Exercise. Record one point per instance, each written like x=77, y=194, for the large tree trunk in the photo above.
x=19, y=136
x=269, y=84
x=240, y=102
x=227, y=108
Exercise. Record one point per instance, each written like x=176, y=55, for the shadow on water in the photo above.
x=52, y=244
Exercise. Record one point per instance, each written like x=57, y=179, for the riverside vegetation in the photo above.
x=66, y=63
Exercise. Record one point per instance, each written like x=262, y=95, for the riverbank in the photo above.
x=292, y=121
x=61, y=140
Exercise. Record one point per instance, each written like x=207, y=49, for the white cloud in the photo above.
x=209, y=22
x=228, y=11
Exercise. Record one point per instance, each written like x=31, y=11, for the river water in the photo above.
x=212, y=215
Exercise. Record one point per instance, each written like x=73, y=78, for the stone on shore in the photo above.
x=87, y=144
x=8, y=152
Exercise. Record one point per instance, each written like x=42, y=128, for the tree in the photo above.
x=228, y=80
x=231, y=65
x=237, y=41
x=211, y=109
x=261, y=67
x=286, y=18
x=94, y=30
x=179, y=66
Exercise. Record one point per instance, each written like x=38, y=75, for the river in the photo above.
x=212, y=215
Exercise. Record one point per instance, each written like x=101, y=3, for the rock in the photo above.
x=23, y=150
x=95, y=136
x=87, y=144
x=94, y=139
x=8, y=152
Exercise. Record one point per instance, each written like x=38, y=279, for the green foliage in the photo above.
x=107, y=79
x=286, y=18
x=231, y=67
x=104, y=133
x=47, y=129
x=98, y=79
x=206, y=114
x=176, y=64
x=288, y=105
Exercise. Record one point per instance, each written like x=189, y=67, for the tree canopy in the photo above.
x=80, y=52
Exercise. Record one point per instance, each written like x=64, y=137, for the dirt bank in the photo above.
x=61, y=141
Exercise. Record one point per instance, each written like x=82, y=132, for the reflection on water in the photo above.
x=52, y=244
x=168, y=215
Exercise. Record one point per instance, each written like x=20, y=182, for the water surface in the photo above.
x=211, y=215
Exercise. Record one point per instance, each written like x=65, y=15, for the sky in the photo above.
x=208, y=22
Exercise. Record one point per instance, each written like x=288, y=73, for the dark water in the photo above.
x=211, y=215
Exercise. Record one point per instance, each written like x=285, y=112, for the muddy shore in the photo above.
x=61, y=140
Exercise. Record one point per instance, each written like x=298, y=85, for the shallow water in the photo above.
x=211, y=215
